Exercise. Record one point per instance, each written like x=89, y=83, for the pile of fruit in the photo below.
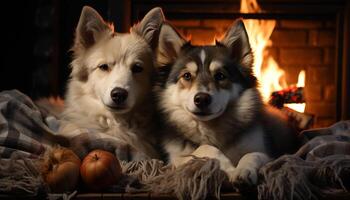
x=62, y=170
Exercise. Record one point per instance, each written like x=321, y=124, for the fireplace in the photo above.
x=308, y=35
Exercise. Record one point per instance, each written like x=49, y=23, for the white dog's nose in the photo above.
x=119, y=95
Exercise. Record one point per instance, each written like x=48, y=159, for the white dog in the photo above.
x=109, y=92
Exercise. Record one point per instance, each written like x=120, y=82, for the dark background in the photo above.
x=36, y=38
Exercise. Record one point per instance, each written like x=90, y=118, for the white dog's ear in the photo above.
x=90, y=29
x=149, y=26
x=170, y=43
x=236, y=39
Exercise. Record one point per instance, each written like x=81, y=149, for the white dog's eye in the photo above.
x=136, y=68
x=104, y=67
x=219, y=76
x=187, y=76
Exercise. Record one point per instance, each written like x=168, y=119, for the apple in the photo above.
x=100, y=169
x=60, y=169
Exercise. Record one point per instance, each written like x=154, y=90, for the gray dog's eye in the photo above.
x=104, y=67
x=219, y=76
x=136, y=68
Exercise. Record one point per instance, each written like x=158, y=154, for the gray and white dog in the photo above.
x=212, y=106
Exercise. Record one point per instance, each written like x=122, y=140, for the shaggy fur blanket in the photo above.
x=320, y=167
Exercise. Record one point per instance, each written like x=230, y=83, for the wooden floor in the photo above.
x=143, y=196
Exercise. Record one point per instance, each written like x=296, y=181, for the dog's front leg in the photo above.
x=210, y=151
x=246, y=172
x=207, y=151
x=179, y=151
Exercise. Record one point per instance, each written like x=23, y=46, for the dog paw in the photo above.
x=244, y=177
x=104, y=121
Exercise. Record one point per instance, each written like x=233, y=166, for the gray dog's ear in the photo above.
x=236, y=39
x=90, y=29
x=149, y=26
x=170, y=43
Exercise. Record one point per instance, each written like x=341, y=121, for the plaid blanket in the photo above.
x=23, y=128
x=319, y=169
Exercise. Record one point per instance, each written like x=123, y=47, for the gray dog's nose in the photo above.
x=202, y=100
x=119, y=95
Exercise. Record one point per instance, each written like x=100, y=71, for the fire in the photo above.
x=300, y=107
x=269, y=74
x=271, y=79
x=301, y=79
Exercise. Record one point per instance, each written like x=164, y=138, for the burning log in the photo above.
x=291, y=94
x=301, y=121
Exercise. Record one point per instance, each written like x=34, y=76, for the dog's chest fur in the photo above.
x=134, y=128
x=201, y=133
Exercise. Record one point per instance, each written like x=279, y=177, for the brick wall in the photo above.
x=296, y=45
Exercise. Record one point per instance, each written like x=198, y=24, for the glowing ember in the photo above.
x=271, y=77
x=300, y=107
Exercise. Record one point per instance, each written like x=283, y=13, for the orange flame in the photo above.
x=300, y=107
x=271, y=77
